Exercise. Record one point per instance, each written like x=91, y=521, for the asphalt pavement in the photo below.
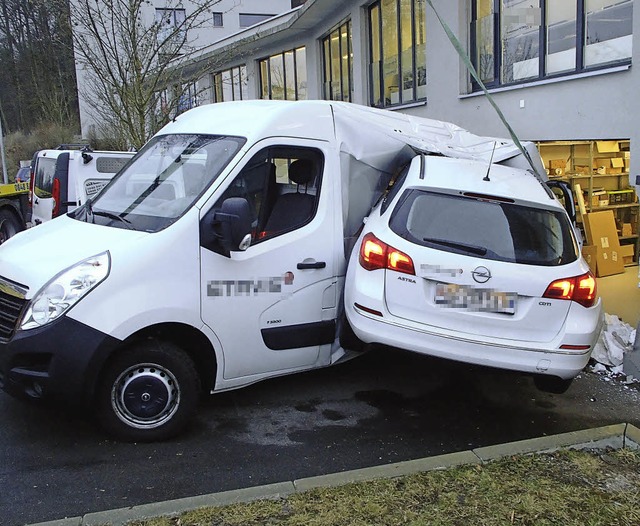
x=381, y=409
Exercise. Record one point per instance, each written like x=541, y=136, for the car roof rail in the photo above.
x=75, y=146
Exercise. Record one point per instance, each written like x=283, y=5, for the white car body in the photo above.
x=535, y=334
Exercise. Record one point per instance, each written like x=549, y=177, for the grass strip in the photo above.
x=567, y=487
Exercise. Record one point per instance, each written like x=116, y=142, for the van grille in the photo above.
x=10, y=311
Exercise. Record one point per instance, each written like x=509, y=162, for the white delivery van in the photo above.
x=64, y=178
x=215, y=259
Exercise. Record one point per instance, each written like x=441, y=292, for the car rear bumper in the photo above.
x=516, y=356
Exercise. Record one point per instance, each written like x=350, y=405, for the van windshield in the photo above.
x=162, y=182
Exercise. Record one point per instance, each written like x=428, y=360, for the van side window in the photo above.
x=282, y=187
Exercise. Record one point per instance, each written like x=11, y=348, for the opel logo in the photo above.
x=481, y=274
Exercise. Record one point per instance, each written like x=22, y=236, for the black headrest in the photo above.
x=302, y=171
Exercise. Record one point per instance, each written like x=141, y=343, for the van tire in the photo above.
x=148, y=392
x=9, y=225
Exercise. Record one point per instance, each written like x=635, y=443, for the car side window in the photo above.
x=282, y=186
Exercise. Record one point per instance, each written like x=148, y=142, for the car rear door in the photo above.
x=48, y=166
x=482, y=268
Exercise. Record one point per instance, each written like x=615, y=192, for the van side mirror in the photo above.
x=232, y=224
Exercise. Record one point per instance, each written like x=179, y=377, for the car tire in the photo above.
x=9, y=225
x=552, y=384
x=148, y=392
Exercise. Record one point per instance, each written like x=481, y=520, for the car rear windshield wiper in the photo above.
x=111, y=215
x=474, y=249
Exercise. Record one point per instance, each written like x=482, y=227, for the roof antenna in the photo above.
x=486, y=177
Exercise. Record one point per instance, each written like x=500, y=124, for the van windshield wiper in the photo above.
x=474, y=249
x=111, y=215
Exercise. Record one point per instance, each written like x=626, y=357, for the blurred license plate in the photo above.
x=474, y=299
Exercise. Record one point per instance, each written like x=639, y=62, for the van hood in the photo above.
x=32, y=257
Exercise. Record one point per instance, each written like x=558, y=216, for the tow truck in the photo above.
x=14, y=209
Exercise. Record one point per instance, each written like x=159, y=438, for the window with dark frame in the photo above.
x=171, y=23
x=516, y=41
x=397, y=52
x=230, y=84
x=337, y=54
x=218, y=21
x=250, y=19
x=283, y=76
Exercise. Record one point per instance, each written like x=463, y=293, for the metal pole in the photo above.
x=4, y=159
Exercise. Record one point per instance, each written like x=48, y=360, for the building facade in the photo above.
x=224, y=18
x=558, y=69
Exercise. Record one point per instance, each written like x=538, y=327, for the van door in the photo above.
x=50, y=175
x=273, y=307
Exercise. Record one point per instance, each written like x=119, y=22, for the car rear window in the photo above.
x=486, y=229
x=43, y=182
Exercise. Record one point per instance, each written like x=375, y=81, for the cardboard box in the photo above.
x=617, y=162
x=627, y=252
x=600, y=229
x=626, y=230
x=590, y=253
x=608, y=146
x=557, y=167
x=609, y=262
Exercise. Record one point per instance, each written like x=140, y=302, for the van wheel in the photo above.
x=552, y=384
x=9, y=225
x=148, y=392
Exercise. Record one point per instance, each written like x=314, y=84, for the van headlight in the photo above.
x=65, y=290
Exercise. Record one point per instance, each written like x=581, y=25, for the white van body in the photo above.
x=139, y=300
x=64, y=179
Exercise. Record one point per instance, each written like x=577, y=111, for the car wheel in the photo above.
x=148, y=392
x=552, y=384
x=9, y=225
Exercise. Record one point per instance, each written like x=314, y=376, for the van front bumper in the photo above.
x=59, y=361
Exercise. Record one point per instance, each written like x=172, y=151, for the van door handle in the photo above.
x=312, y=264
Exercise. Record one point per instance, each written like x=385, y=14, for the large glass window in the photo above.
x=397, y=51
x=337, y=57
x=230, y=84
x=607, y=31
x=507, y=37
x=561, y=32
x=284, y=76
x=520, y=36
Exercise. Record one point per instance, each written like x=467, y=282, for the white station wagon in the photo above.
x=476, y=265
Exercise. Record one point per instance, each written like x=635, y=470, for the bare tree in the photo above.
x=128, y=55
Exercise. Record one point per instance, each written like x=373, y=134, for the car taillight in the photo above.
x=375, y=254
x=55, y=194
x=581, y=289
